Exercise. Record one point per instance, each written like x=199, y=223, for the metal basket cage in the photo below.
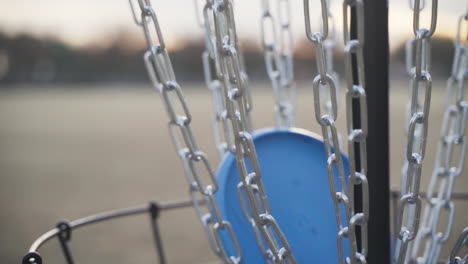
x=153, y=209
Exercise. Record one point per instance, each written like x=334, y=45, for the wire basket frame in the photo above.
x=153, y=209
x=64, y=229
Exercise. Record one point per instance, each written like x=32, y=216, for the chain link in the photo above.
x=323, y=33
x=462, y=241
x=162, y=76
x=278, y=56
x=446, y=169
x=416, y=19
x=418, y=67
x=342, y=190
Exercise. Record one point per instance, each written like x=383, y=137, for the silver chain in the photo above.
x=410, y=68
x=409, y=206
x=223, y=134
x=343, y=196
x=210, y=61
x=446, y=168
x=221, y=33
x=162, y=77
x=329, y=45
x=279, y=59
x=462, y=241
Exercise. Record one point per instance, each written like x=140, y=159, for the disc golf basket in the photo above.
x=261, y=204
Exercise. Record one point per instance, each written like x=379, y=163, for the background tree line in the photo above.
x=28, y=59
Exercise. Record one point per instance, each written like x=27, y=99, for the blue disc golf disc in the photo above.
x=294, y=173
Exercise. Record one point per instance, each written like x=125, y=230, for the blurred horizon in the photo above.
x=46, y=60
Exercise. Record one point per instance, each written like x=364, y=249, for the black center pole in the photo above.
x=376, y=53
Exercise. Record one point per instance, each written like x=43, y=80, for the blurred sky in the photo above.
x=80, y=22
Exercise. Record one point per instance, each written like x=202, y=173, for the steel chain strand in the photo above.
x=452, y=140
x=410, y=61
x=329, y=45
x=410, y=69
x=219, y=122
x=236, y=106
x=356, y=135
x=461, y=242
x=267, y=253
x=329, y=130
x=286, y=47
x=211, y=64
x=409, y=211
x=163, y=79
x=240, y=64
x=223, y=136
x=444, y=175
x=278, y=59
x=341, y=195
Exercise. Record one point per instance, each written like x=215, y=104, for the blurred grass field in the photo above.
x=68, y=153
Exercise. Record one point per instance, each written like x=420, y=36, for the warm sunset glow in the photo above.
x=85, y=21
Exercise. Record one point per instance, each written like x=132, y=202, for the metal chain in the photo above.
x=329, y=45
x=462, y=241
x=162, y=76
x=211, y=62
x=410, y=68
x=409, y=62
x=342, y=191
x=409, y=207
x=279, y=59
x=210, y=65
x=224, y=139
x=446, y=169
x=277, y=247
x=357, y=135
